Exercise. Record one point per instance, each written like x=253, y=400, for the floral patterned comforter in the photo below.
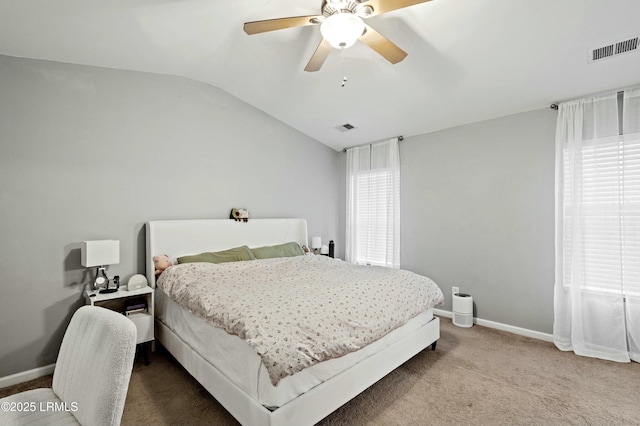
x=298, y=311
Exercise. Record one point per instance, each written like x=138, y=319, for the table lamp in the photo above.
x=316, y=244
x=100, y=254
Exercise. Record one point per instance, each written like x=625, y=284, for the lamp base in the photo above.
x=102, y=282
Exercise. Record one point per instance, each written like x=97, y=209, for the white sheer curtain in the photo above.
x=631, y=121
x=373, y=204
x=597, y=286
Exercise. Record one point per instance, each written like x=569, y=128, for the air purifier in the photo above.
x=462, y=310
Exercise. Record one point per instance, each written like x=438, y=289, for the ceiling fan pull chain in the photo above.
x=344, y=73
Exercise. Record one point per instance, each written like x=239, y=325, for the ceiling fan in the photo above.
x=341, y=24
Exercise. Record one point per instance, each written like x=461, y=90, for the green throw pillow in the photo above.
x=281, y=250
x=231, y=255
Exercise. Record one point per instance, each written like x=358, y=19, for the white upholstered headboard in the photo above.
x=185, y=237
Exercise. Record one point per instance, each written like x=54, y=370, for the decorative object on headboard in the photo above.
x=239, y=215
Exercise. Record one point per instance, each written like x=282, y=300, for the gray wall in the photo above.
x=91, y=153
x=478, y=213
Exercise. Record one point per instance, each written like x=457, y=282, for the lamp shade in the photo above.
x=342, y=29
x=100, y=253
x=316, y=242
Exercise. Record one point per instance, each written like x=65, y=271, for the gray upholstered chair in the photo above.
x=91, y=376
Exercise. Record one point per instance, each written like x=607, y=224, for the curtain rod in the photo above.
x=620, y=92
x=400, y=139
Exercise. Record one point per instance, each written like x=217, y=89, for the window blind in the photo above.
x=601, y=218
x=373, y=233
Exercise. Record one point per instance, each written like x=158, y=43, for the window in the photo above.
x=601, y=210
x=373, y=205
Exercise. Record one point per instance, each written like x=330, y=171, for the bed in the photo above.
x=230, y=369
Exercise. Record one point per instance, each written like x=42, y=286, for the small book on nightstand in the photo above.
x=135, y=305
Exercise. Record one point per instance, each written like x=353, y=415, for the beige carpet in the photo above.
x=476, y=376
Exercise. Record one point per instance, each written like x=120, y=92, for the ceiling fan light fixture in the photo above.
x=342, y=29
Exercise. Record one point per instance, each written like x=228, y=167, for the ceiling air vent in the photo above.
x=614, y=49
x=346, y=127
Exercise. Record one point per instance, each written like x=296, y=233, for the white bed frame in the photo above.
x=183, y=237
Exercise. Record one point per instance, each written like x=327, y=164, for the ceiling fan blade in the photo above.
x=384, y=6
x=257, y=27
x=385, y=47
x=319, y=56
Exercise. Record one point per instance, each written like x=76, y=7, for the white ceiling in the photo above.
x=469, y=60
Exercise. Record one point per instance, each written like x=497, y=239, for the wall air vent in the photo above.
x=614, y=49
x=346, y=127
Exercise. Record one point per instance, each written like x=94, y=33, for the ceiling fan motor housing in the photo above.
x=331, y=7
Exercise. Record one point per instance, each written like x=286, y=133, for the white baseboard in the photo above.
x=504, y=327
x=25, y=376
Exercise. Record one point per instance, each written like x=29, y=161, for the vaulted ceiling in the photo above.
x=468, y=60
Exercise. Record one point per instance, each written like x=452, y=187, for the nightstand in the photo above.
x=119, y=300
